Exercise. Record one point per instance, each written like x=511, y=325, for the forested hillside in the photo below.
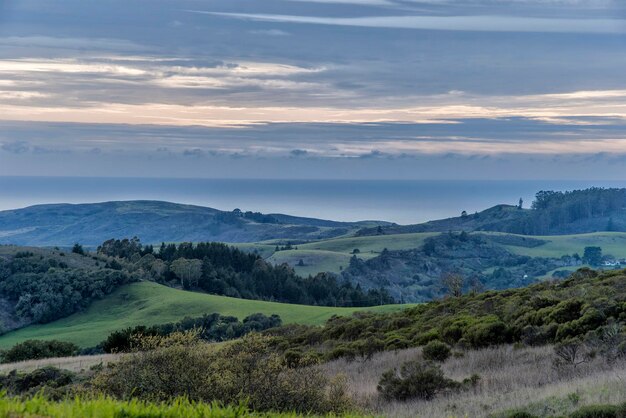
x=39, y=285
x=551, y=213
x=224, y=270
x=479, y=261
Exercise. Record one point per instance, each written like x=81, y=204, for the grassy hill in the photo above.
x=334, y=254
x=155, y=222
x=148, y=303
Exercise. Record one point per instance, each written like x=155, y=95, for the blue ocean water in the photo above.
x=397, y=201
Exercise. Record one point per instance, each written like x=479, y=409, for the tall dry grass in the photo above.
x=74, y=364
x=510, y=379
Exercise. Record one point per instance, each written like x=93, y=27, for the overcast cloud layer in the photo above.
x=314, y=89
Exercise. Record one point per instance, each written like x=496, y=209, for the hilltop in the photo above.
x=155, y=222
x=551, y=213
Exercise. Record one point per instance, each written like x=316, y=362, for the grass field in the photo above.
x=148, y=303
x=612, y=243
x=334, y=254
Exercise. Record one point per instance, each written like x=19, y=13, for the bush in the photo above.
x=485, y=334
x=597, y=411
x=521, y=414
x=436, y=351
x=245, y=371
x=415, y=380
x=47, y=380
x=37, y=349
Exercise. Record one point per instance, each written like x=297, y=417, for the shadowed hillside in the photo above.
x=153, y=221
x=551, y=213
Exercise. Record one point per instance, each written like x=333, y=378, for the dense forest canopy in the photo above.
x=42, y=289
x=220, y=269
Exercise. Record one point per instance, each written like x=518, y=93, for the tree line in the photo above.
x=224, y=270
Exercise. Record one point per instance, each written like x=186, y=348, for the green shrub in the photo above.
x=245, y=371
x=484, y=334
x=520, y=414
x=37, y=349
x=414, y=380
x=596, y=411
x=436, y=351
x=48, y=380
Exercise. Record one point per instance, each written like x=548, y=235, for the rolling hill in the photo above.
x=333, y=255
x=552, y=213
x=147, y=303
x=155, y=222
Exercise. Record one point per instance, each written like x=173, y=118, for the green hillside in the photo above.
x=148, y=303
x=612, y=243
x=331, y=254
x=334, y=254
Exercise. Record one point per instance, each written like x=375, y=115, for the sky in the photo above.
x=315, y=89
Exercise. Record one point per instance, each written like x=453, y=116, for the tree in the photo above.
x=571, y=352
x=610, y=226
x=188, y=271
x=453, y=283
x=78, y=249
x=593, y=255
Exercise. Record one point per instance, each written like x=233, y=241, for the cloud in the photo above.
x=450, y=23
x=270, y=32
x=196, y=152
x=16, y=147
x=298, y=152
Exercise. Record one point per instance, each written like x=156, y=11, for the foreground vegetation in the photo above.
x=548, y=312
x=506, y=382
x=106, y=407
x=554, y=349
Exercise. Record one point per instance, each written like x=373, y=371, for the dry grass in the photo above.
x=510, y=379
x=74, y=364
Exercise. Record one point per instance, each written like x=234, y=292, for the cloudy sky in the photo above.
x=414, y=89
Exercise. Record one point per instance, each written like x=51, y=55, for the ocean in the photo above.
x=400, y=201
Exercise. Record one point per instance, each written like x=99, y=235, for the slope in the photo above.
x=155, y=222
x=147, y=303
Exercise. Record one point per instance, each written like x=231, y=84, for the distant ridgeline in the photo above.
x=551, y=213
x=153, y=221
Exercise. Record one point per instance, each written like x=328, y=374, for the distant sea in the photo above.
x=400, y=201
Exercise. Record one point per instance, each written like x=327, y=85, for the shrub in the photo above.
x=520, y=414
x=245, y=371
x=436, y=351
x=571, y=353
x=47, y=379
x=78, y=249
x=597, y=411
x=484, y=334
x=414, y=380
x=37, y=349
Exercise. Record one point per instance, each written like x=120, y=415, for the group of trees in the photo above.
x=552, y=210
x=44, y=289
x=224, y=270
